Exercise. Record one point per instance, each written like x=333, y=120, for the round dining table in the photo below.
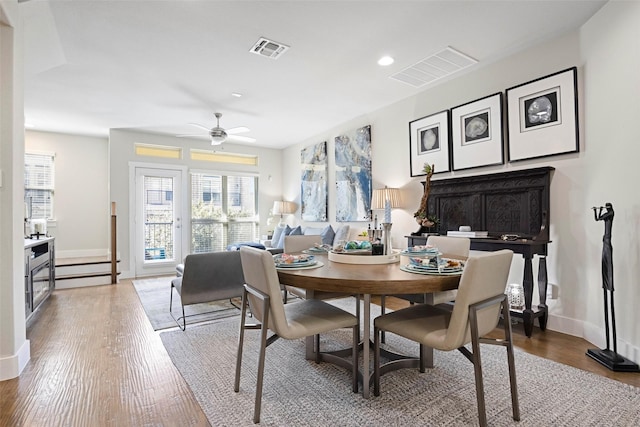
x=365, y=280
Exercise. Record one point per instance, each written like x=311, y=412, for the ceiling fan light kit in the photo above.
x=219, y=135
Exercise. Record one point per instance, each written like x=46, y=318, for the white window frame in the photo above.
x=43, y=180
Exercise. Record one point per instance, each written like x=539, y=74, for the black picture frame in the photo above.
x=429, y=142
x=477, y=136
x=542, y=116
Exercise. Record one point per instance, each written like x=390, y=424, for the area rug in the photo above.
x=299, y=392
x=154, y=295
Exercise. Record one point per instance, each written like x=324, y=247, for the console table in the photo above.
x=527, y=248
x=514, y=203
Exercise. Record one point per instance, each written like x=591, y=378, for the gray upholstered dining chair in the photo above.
x=206, y=277
x=450, y=247
x=289, y=321
x=476, y=312
x=296, y=244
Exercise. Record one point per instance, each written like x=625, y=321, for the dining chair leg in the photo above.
x=263, y=347
x=376, y=361
x=511, y=360
x=382, y=310
x=317, y=346
x=236, y=386
x=477, y=366
x=423, y=358
x=184, y=318
x=358, y=313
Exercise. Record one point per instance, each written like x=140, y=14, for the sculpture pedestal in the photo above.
x=612, y=360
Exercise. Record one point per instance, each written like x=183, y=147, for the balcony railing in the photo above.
x=158, y=241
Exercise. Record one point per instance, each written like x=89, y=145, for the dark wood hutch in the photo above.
x=513, y=205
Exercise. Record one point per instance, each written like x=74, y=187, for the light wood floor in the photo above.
x=96, y=361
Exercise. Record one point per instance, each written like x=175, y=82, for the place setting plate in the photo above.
x=421, y=251
x=321, y=250
x=410, y=268
x=285, y=261
x=445, y=266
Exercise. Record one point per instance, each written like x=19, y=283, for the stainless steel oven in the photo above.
x=39, y=277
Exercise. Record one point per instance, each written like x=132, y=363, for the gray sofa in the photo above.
x=207, y=277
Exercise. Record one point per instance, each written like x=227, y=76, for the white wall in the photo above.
x=610, y=48
x=122, y=153
x=14, y=347
x=81, y=200
x=606, y=54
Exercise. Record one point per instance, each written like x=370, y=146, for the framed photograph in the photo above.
x=476, y=133
x=429, y=143
x=542, y=116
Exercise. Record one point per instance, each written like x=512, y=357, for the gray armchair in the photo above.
x=207, y=277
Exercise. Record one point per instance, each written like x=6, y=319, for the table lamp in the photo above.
x=282, y=208
x=386, y=198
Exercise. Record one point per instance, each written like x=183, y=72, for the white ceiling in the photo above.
x=156, y=66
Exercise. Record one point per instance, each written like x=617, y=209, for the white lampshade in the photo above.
x=381, y=195
x=281, y=207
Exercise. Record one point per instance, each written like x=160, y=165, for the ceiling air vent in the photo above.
x=442, y=64
x=269, y=48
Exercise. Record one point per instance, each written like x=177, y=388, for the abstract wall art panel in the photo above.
x=353, y=175
x=313, y=192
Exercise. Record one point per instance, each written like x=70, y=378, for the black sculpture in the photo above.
x=609, y=358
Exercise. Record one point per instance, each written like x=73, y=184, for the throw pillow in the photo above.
x=296, y=231
x=342, y=233
x=277, y=232
x=285, y=232
x=328, y=235
x=313, y=231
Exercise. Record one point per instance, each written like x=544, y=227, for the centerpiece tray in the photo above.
x=347, y=258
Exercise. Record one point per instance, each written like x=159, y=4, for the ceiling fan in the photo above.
x=219, y=135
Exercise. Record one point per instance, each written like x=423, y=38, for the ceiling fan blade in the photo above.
x=200, y=126
x=191, y=135
x=239, y=129
x=239, y=138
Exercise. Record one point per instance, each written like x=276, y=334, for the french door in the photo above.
x=158, y=221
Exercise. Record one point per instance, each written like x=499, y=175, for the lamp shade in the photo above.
x=381, y=195
x=281, y=207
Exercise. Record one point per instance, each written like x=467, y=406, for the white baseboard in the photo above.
x=81, y=253
x=12, y=366
x=592, y=334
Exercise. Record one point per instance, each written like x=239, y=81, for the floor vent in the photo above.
x=269, y=48
x=442, y=64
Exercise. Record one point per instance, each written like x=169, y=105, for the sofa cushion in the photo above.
x=342, y=233
x=277, y=232
x=296, y=231
x=328, y=235
x=236, y=246
x=280, y=242
x=312, y=231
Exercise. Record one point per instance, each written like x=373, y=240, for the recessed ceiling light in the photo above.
x=236, y=94
x=385, y=60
